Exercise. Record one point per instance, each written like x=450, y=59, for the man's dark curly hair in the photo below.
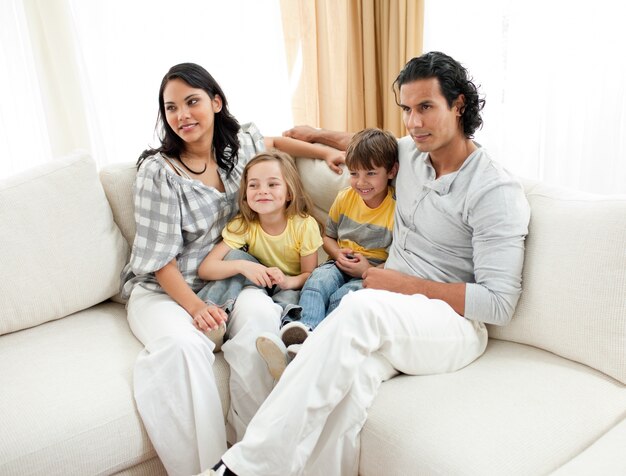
x=453, y=80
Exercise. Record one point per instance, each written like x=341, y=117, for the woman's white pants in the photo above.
x=310, y=423
x=174, y=384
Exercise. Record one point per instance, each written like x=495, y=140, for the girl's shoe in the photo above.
x=273, y=352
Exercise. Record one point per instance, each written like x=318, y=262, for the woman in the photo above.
x=185, y=192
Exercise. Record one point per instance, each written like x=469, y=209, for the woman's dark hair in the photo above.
x=454, y=80
x=225, y=140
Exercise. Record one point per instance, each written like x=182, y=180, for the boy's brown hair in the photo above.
x=371, y=148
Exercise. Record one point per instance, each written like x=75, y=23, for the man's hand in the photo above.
x=336, y=139
x=305, y=133
x=390, y=280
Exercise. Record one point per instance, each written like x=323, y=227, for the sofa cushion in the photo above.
x=60, y=250
x=83, y=419
x=321, y=183
x=574, y=283
x=605, y=456
x=118, y=181
x=517, y=410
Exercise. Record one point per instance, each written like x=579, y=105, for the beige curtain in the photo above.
x=343, y=57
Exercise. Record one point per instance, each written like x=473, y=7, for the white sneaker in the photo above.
x=273, y=352
x=293, y=350
x=294, y=333
x=217, y=336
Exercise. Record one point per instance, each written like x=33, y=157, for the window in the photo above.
x=100, y=65
x=554, y=77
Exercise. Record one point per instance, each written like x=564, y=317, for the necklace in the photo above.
x=191, y=170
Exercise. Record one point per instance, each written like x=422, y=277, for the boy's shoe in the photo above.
x=217, y=336
x=294, y=333
x=273, y=352
x=293, y=350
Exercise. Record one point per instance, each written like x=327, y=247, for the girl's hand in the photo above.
x=257, y=273
x=278, y=277
x=208, y=317
x=353, y=265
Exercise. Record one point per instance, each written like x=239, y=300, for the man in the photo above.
x=455, y=264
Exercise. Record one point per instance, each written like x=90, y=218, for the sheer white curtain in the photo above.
x=24, y=139
x=84, y=74
x=554, y=77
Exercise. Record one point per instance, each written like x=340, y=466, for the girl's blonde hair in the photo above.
x=299, y=202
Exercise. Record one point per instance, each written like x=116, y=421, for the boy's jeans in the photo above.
x=323, y=291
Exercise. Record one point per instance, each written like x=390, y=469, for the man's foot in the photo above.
x=273, y=352
x=208, y=472
x=217, y=336
x=294, y=333
x=293, y=350
x=219, y=469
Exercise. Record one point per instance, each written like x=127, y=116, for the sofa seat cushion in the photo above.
x=600, y=458
x=517, y=410
x=66, y=399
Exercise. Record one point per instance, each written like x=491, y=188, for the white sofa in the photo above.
x=547, y=397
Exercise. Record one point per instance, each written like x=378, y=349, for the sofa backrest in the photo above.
x=574, y=283
x=60, y=250
x=118, y=179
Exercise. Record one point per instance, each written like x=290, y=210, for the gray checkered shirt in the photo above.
x=181, y=218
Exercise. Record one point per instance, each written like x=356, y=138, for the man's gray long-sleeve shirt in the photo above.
x=468, y=226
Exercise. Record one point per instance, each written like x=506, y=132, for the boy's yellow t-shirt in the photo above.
x=300, y=238
x=356, y=226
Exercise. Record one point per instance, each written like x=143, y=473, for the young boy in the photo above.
x=358, y=231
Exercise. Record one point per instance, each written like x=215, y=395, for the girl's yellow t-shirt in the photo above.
x=301, y=237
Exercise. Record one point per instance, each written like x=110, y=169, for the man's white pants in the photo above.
x=174, y=384
x=310, y=423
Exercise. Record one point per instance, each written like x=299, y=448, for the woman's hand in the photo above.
x=334, y=159
x=353, y=264
x=208, y=317
x=257, y=273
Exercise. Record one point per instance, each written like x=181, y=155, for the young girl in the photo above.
x=275, y=227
